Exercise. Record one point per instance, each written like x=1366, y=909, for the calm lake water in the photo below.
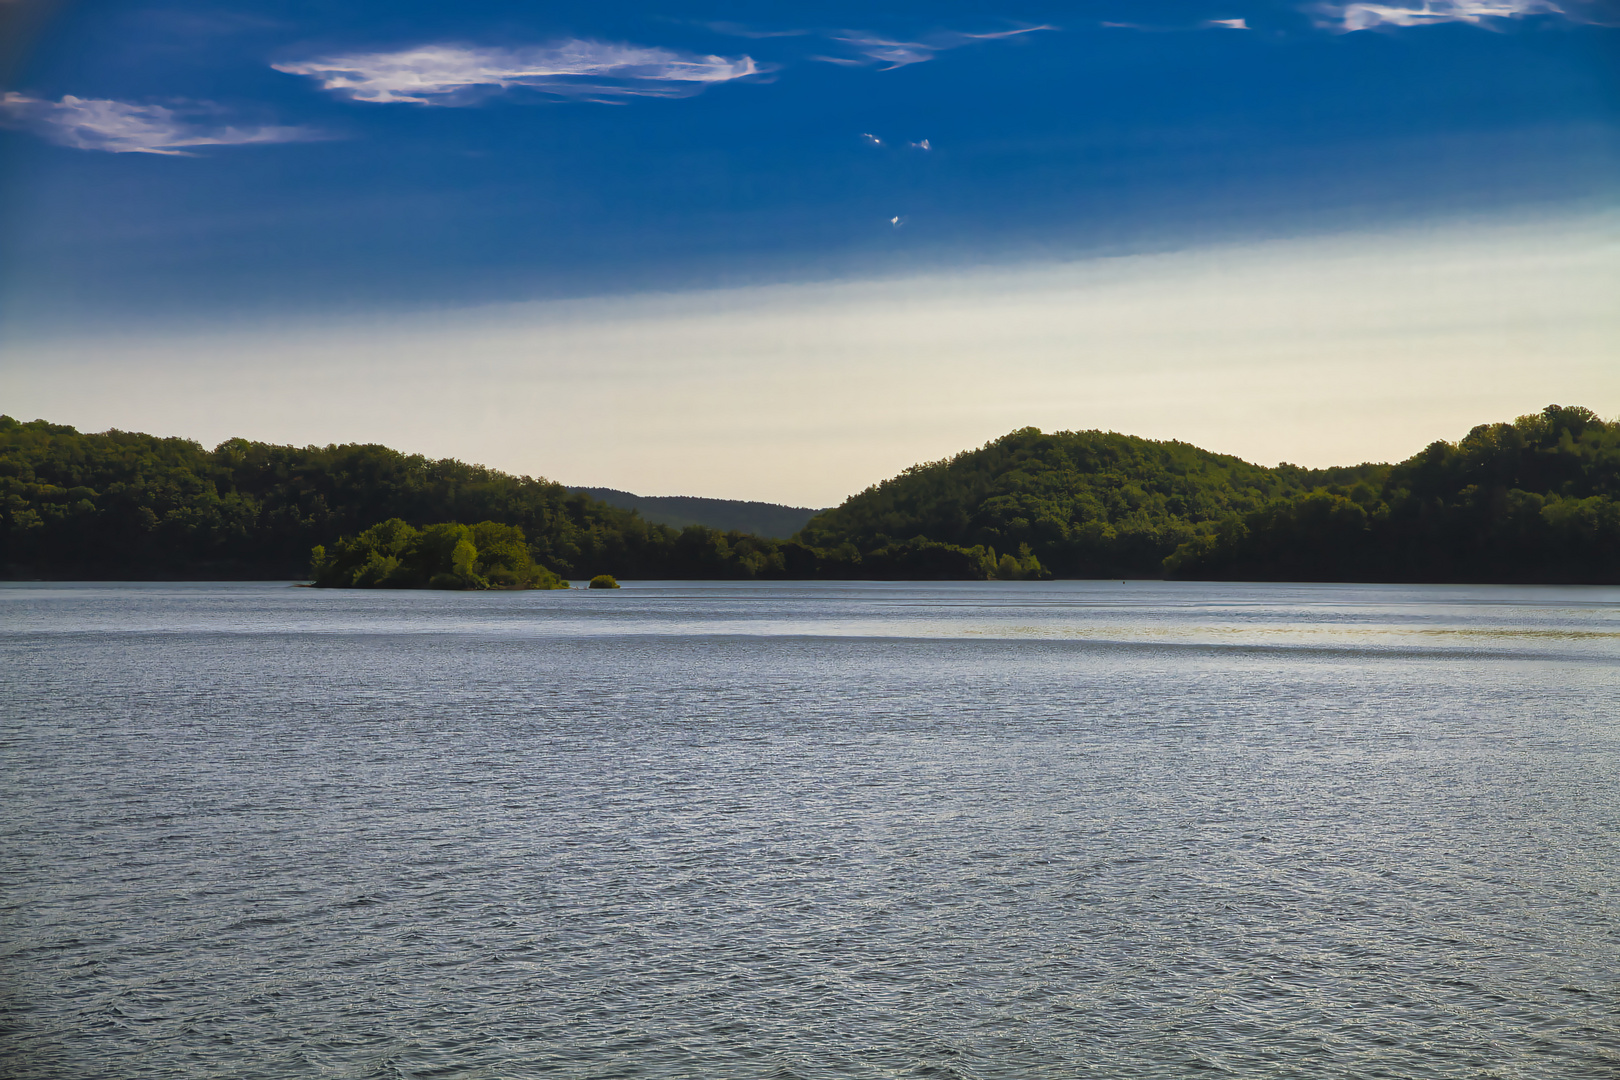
x=1074, y=829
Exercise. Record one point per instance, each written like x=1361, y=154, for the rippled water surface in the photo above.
x=1080, y=829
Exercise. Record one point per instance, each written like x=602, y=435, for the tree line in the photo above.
x=1537, y=499
x=120, y=504
x=1534, y=500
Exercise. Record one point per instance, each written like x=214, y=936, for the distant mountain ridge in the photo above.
x=771, y=520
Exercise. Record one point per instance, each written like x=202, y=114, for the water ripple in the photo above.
x=1270, y=831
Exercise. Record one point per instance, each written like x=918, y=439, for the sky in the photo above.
x=782, y=252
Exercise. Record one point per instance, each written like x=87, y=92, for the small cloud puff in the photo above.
x=1366, y=16
x=871, y=49
x=873, y=140
x=575, y=69
x=119, y=127
x=1227, y=24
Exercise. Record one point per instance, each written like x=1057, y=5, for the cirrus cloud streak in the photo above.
x=571, y=70
x=872, y=49
x=122, y=127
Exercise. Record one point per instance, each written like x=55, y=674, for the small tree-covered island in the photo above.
x=393, y=555
x=1534, y=500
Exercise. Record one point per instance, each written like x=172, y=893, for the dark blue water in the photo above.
x=988, y=830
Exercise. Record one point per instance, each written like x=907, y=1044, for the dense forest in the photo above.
x=1081, y=504
x=1537, y=500
x=1534, y=500
x=127, y=505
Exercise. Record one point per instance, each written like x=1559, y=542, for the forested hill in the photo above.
x=728, y=515
x=1537, y=499
x=124, y=504
x=127, y=505
x=1084, y=503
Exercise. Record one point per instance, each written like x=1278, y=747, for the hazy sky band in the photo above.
x=1318, y=351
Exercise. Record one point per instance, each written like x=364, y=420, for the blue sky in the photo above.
x=178, y=167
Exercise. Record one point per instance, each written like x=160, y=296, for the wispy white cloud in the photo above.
x=575, y=69
x=872, y=49
x=876, y=50
x=1366, y=16
x=120, y=127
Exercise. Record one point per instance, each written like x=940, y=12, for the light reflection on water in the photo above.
x=1061, y=829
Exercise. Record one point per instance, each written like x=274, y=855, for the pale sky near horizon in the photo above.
x=1322, y=350
x=706, y=248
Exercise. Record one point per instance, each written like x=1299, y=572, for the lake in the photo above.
x=975, y=830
